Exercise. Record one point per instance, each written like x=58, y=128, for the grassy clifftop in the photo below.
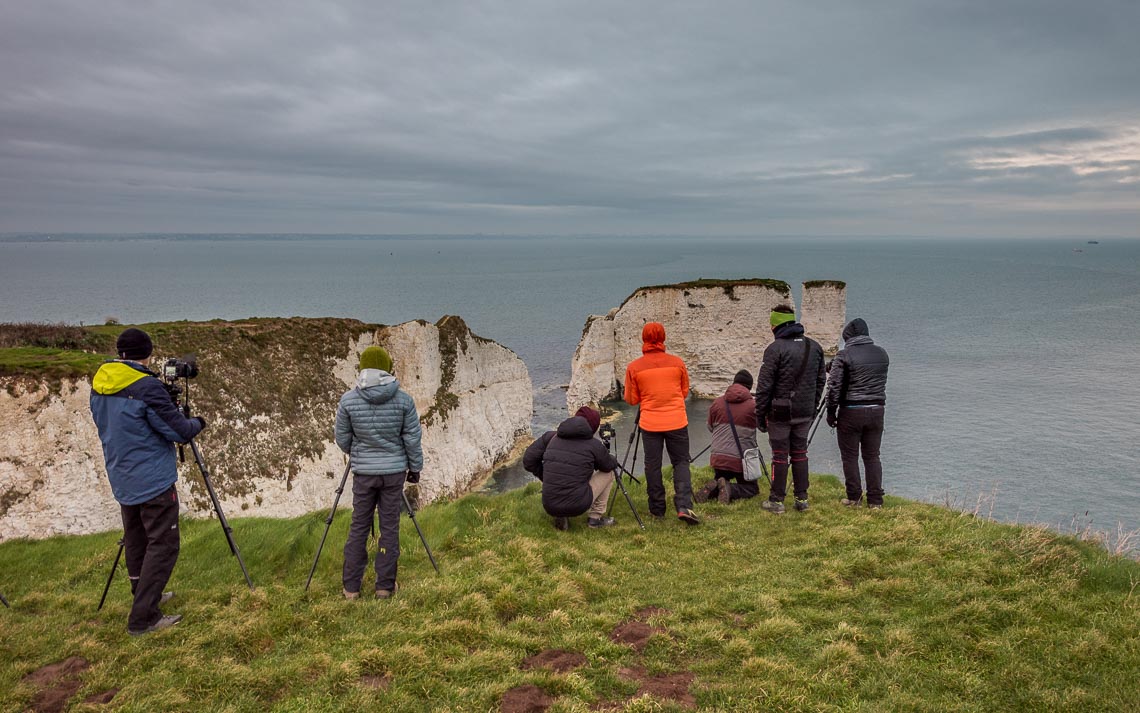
x=914, y=607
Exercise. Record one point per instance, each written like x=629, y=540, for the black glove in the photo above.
x=762, y=424
x=832, y=418
x=202, y=421
x=413, y=477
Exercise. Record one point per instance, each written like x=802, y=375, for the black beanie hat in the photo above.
x=744, y=378
x=134, y=344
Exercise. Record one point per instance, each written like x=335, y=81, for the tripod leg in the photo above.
x=5, y=601
x=221, y=515
x=328, y=524
x=110, y=576
x=629, y=500
x=412, y=514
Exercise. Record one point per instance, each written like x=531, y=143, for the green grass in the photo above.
x=911, y=608
x=48, y=361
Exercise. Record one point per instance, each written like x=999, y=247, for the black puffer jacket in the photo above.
x=859, y=370
x=782, y=361
x=564, y=461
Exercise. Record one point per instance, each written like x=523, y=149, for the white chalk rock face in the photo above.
x=717, y=327
x=824, y=312
x=473, y=396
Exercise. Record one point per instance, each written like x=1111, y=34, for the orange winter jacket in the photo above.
x=659, y=382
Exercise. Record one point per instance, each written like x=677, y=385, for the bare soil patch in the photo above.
x=57, y=682
x=99, y=699
x=634, y=633
x=376, y=683
x=663, y=686
x=555, y=660
x=525, y=699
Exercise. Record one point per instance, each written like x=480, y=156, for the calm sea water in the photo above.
x=1012, y=362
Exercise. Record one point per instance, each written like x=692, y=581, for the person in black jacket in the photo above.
x=788, y=388
x=575, y=468
x=856, y=403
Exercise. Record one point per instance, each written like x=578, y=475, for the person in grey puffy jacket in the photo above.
x=377, y=425
x=856, y=403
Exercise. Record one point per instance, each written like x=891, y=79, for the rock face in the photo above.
x=716, y=326
x=268, y=389
x=823, y=312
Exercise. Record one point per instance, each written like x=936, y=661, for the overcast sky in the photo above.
x=875, y=117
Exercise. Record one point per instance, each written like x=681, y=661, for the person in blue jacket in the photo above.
x=139, y=423
x=377, y=425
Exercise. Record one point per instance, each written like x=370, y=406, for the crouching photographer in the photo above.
x=576, y=470
x=139, y=423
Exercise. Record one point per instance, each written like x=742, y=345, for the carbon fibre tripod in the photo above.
x=607, y=433
x=5, y=601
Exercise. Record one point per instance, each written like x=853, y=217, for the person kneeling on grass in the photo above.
x=377, y=425
x=732, y=421
x=576, y=470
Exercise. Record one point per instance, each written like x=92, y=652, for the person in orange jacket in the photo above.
x=658, y=383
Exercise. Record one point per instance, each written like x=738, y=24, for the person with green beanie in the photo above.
x=378, y=426
x=788, y=387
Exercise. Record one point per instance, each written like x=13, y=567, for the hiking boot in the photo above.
x=847, y=503
x=166, y=597
x=876, y=506
x=688, y=516
x=706, y=491
x=600, y=521
x=723, y=494
x=802, y=505
x=388, y=593
x=350, y=595
x=164, y=622
x=772, y=506
x=562, y=523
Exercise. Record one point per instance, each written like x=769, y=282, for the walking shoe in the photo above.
x=776, y=508
x=723, y=494
x=876, y=506
x=166, y=597
x=350, y=595
x=706, y=491
x=847, y=503
x=562, y=523
x=801, y=505
x=688, y=516
x=164, y=622
x=600, y=521
x=388, y=593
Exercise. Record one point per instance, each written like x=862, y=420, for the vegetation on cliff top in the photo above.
x=914, y=607
x=836, y=284
x=727, y=285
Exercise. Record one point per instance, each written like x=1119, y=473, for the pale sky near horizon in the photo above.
x=885, y=117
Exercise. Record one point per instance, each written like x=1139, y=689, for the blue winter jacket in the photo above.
x=138, y=423
x=377, y=424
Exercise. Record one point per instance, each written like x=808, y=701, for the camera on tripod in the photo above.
x=607, y=433
x=184, y=368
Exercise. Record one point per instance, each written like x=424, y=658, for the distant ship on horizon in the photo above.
x=1094, y=242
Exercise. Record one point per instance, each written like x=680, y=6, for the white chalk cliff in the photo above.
x=267, y=458
x=716, y=326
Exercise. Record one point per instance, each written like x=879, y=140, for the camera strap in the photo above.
x=731, y=425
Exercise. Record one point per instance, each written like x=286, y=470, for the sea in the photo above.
x=1013, y=388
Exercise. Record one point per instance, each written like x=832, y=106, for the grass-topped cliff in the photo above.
x=728, y=286
x=911, y=608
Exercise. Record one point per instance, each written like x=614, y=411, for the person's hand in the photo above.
x=413, y=477
x=201, y=421
x=832, y=418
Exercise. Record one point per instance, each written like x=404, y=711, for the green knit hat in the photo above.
x=375, y=358
x=779, y=318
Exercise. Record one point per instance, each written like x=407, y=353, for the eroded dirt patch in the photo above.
x=376, y=683
x=99, y=699
x=57, y=682
x=555, y=660
x=525, y=699
x=634, y=633
x=663, y=686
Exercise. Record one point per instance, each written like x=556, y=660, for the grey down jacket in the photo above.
x=377, y=425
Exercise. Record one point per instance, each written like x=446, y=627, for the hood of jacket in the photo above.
x=114, y=376
x=737, y=393
x=855, y=328
x=789, y=330
x=575, y=427
x=652, y=338
x=376, y=386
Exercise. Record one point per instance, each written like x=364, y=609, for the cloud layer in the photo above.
x=888, y=117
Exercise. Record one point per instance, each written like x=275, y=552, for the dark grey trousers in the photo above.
x=372, y=493
x=677, y=443
x=789, y=442
x=151, y=544
x=738, y=487
x=861, y=428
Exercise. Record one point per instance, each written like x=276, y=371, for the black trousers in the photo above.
x=789, y=442
x=151, y=543
x=677, y=444
x=370, y=494
x=861, y=429
x=738, y=487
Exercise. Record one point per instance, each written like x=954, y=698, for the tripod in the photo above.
x=332, y=513
x=818, y=413
x=5, y=601
x=607, y=433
